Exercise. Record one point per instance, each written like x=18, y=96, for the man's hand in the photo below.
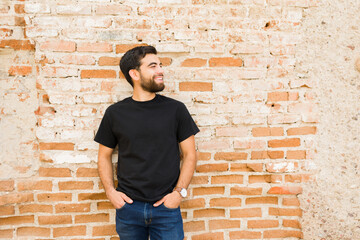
x=118, y=199
x=171, y=200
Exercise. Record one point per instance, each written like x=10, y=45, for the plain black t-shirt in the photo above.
x=147, y=134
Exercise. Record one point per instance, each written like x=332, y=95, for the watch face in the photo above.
x=183, y=192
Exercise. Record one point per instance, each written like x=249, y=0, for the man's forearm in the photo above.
x=187, y=171
x=106, y=173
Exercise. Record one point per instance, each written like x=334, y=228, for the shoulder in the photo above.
x=118, y=105
x=171, y=101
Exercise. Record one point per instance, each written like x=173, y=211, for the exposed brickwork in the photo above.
x=231, y=62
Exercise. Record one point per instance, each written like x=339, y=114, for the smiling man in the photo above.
x=151, y=132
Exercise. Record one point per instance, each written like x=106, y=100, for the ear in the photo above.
x=134, y=74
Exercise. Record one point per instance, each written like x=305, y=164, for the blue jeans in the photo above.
x=140, y=220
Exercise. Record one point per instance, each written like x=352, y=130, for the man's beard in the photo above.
x=151, y=85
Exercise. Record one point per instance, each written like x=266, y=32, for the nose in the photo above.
x=160, y=70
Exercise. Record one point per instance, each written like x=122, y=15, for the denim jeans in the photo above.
x=140, y=220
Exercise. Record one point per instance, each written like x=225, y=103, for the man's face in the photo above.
x=151, y=74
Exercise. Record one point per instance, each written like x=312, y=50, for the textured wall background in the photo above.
x=253, y=74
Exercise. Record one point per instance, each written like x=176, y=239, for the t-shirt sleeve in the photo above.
x=186, y=125
x=105, y=135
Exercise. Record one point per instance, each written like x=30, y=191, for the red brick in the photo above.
x=62, y=208
x=92, y=196
x=208, y=191
x=104, y=205
x=223, y=224
x=98, y=73
x=54, y=172
x=199, y=180
x=245, y=213
x=301, y=131
x=42, y=110
x=245, y=191
x=16, y=220
x=280, y=167
x=262, y=200
x=78, y=60
x=58, y=46
x=20, y=70
x=296, y=154
x=195, y=86
x=6, y=185
x=113, y=9
x=245, y=235
x=76, y=185
x=265, y=178
x=16, y=198
x=35, y=185
x=278, y=96
x=291, y=202
x=87, y=172
x=289, y=142
x=35, y=208
x=194, y=62
x=212, y=168
x=106, y=230
x=194, y=226
x=208, y=236
x=267, y=131
x=7, y=233
x=225, y=202
x=282, y=234
x=94, y=47
x=7, y=210
x=298, y=178
x=193, y=203
x=225, y=179
x=165, y=61
x=17, y=44
x=51, y=197
x=109, y=61
x=69, y=231
x=56, y=219
x=230, y=156
x=209, y=212
x=101, y=217
x=291, y=223
x=225, y=62
x=288, y=190
x=122, y=48
x=203, y=156
x=246, y=167
x=285, y=212
x=262, y=223
x=33, y=231
x=57, y=146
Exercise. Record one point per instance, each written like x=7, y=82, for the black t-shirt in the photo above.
x=147, y=134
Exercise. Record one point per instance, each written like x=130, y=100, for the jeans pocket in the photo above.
x=123, y=206
x=169, y=208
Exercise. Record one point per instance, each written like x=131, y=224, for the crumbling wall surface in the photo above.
x=328, y=55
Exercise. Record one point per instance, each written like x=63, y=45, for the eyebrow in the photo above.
x=152, y=63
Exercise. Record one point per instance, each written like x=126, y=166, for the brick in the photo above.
x=194, y=226
x=16, y=220
x=73, y=9
x=7, y=210
x=230, y=156
x=87, y=172
x=42, y=110
x=225, y=202
x=35, y=208
x=194, y=62
x=106, y=230
x=249, y=144
x=104, y=205
x=98, y=73
x=6, y=185
x=75, y=185
x=297, y=154
x=255, y=155
x=193, y=203
x=246, y=167
x=208, y=191
x=69, y=231
x=226, y=179
x=92, y=196
x=262, y=200
x=51, y=197
x=209, y=212
x=209, y=236
x=54, y=172
x=280, y=167
x=285, y=212
x=114, y=9
x=109, y=61
x=7, y=233
x=223, y=224
x=245, y=213
x=231, y=132
x=122, y=48
x=101, y=217
x=289, y=142
x=225, y=62
x=44, y=185
x=56, y=219
x=265, y=179
x=245, y=235
x=33, y=231
x=212, y=167
x=66, y=208
x=267, y=131
x=16, y=198
x=52, y=72
x=20, y=70
x=277, y=96
x=94, y=47
x=165, y=61
x=282, y=234
x=299, y=178
x=301, y=131
x=203, y=156
x=245, y=191
x=213, y=144
x=262, y=223
x=196, y=86
x=288, y=190
x=57, y=146
x=78, y=60
x=291, y=202
x=199, y=180
x=58, y=46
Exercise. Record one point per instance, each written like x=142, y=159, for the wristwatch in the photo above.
x=182, y=191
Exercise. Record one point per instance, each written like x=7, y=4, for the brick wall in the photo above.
x=231, y=62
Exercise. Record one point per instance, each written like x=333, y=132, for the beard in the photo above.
x=151, y=85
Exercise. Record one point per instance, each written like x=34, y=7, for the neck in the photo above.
x=141, y=96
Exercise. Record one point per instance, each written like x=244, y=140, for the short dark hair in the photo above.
x=132, y=58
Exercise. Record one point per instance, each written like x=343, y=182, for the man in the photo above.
x=150, y=130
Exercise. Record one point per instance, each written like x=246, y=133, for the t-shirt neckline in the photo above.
x=144, y=102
